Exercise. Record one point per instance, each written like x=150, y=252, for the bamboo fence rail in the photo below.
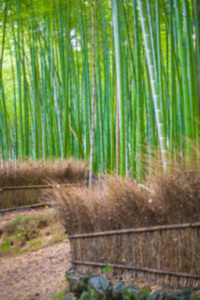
x=126, y=267
x=134, y=230
x=26, y=187
x=26, y=207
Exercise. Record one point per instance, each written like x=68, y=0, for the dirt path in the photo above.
x=35, y=275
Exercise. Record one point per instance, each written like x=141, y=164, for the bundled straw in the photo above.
x=175, y=195
x=38, y=172
x=119, y=203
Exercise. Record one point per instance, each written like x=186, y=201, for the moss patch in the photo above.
x=29, y=232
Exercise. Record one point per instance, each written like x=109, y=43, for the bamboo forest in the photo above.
x=116, y=80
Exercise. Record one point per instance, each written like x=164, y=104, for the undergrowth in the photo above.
x=30, y=232
x=115, y=203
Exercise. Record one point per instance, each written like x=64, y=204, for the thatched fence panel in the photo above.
x=28, y=182
x=168, y=255
x=16, y=196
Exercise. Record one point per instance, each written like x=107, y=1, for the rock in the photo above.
x=78, y=284
x=69, y=297
x=70, y=272
x=99, y=288
x=117, y=290
x=67, y=290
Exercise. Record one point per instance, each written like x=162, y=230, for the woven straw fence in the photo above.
x=27, y=183
x=16, y=196
x=19, y=196
x=166, y=255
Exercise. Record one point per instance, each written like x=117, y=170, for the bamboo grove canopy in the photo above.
x=147, y=80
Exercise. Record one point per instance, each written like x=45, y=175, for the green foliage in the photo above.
x=183, y=294
x=131, y=292
x=5, y=245
x=99, y=288
x=18, y=219
x=145, y=291
x=59, y=296
x=117, y=290
x=107, y=268
x=22, y=234
x=147, y=81
x=155, y=296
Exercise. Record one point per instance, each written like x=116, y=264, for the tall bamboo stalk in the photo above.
x=93, y=96
x=115, y=13
x=149, y=49
x=3, y=109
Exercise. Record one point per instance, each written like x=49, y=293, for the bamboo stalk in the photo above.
x=5, y=123
x=93, y=97
x=138, y=95
x=120, y=104
x=149, y=49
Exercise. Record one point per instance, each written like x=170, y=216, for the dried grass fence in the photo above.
x=27, y=183
x=167, y=255
x=157, y=247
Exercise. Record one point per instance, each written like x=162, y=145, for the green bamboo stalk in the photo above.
x=190, y=70
x=115, y=14
x=93, y=96
x=197, y=59
x=99, y=108
x=149, y=49
x=85, y=84
x=138, y=96
x=187, y=115
x=172, y=82
x=64, y=65
x=160, y=65
x=192, y=74
x=5, y=139
x=197, y=42
x=107, y=122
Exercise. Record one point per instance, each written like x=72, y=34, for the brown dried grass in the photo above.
x=38, y=172
x=175, y=194
x=116, y=203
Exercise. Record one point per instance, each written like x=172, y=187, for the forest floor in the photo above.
x=34, y=256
